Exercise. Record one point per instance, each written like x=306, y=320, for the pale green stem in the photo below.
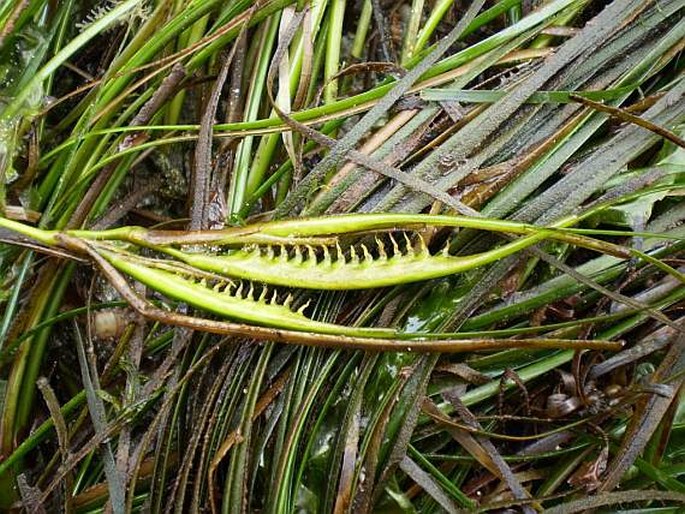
x=46, y=237
x=267, y=146
x=186, y=39
x=241, y=175
x=333, y=45
x=412, y=31
x=362, y=29
x=432, y=22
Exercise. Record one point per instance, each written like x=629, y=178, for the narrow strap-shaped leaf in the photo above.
x=539, y=97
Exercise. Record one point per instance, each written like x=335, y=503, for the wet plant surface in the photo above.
x=342, y=256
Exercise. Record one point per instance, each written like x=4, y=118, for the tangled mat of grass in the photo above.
x=200, y=115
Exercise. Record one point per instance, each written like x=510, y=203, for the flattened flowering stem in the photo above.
x=335, y=271
x=313, y=265
x=285, y=231
x=301, y=253
x=335, y=336
x=298, y=231
x=323, y=231
x=261, y=312
x=46, y=237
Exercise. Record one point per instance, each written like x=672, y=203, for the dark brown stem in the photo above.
x=200, y=185
x=387, y=49
x=122, y=208
x=624, y=115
